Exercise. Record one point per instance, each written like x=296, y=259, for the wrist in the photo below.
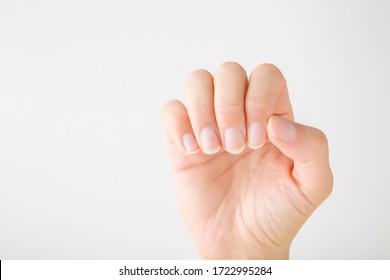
x=276, y=253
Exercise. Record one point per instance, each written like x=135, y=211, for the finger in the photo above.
x=267, y=95
x=230, y=82
x=178, y=128
x=308, y=148
x=200, y=96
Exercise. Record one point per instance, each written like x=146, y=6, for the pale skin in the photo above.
x=247, y=176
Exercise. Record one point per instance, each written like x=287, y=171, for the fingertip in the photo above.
x=281, y=129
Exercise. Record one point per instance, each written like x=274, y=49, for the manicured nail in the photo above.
x=209, y=141
x=190, y=143
x=282, y=129
x=257, y=135
x=234, y=140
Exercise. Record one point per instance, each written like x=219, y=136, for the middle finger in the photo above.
x=230, y=84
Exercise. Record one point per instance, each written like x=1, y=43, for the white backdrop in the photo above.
x=83, y=168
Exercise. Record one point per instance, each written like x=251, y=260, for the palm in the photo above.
x=249, y=202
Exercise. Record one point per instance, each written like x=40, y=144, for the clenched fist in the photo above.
x=247, y=176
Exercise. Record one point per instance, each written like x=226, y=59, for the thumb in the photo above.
x=308, y=148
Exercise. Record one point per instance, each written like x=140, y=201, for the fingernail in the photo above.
x=282, y=129
x=190, y=143
x=209, y=141
x=257, y=135
x=234, y=140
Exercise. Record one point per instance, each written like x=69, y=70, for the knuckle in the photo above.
x=323, y=148
x=318, y=140
x=257, y=108
x=202, y=109
x=171, y=105
x=323, y=140
x=268, y=69
x=233, y=107
x=319, y=137
x=199, y=75
x=229, y=66
x=255, y=101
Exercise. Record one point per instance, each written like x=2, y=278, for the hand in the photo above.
x=247, y=176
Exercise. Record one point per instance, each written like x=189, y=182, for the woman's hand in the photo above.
x=247, y=176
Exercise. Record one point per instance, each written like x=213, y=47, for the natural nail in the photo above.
x=234, y=140
x=282, y=129
x=209, y=141
x=190, y=143
x=257, y=135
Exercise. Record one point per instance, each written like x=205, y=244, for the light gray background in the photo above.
x=83, y=168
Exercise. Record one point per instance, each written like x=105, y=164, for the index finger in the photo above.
x=267, y=95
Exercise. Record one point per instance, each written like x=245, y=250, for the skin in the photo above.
x=246, y=204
